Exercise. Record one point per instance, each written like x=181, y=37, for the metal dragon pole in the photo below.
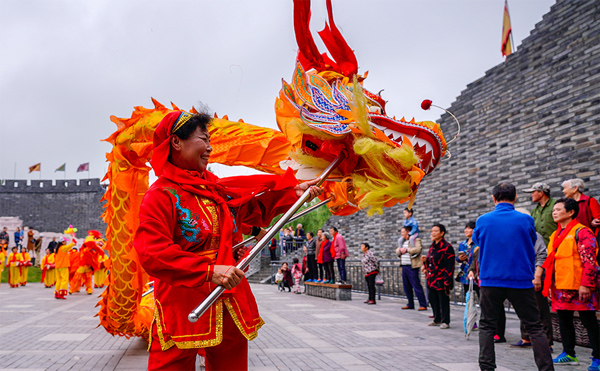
x=255, y=252
x=250, y=239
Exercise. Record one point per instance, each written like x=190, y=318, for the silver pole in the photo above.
x=255, y=252
x=250, y=239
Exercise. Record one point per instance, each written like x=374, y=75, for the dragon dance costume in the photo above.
x=188, y=224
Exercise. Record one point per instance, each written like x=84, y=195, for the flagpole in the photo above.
x=15, y=173
x=512, y=41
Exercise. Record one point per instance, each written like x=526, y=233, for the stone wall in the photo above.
x=534, y=117
x=48, y=207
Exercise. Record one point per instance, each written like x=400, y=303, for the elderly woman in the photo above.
x=189, y=221
x=589, y=209
x=370, y=266
x=570, y=272
x=439, y=267
x=327, y=256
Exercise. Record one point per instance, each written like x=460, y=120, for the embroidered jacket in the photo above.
x=177, y=241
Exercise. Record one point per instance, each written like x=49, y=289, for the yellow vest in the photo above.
x=567, y=262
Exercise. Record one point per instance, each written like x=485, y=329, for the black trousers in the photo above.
x=371, y=286
x=523, y=300
x=329, y=272
x=544, y=309
x=567, y=330
x=312, y=267
x=320, y=267
x=273, y=254
x=440, y=303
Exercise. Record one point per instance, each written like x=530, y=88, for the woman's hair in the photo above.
x=327, y=235
x=284, y=263
x=570, y=205
x=295, y=260
x=470, y=224
x=199, y=120
x=575, y=183
x=366, y=245
x=441, y=227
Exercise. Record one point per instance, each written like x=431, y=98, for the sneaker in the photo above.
x=595, y=366
x=521, y=344
x=565, y=359
x=498, y=339
x=433, y=324
x=371, y=302
x=444, y=326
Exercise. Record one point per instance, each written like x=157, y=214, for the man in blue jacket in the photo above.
x=506, y=241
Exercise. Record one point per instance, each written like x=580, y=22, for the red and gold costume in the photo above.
x=14, y=262
x=188, y=224
x=26, y=263
x=48, y=270
x=87, y=262
x=74, y=259
x=62, y=264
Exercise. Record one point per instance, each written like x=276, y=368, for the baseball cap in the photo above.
x=538, y=187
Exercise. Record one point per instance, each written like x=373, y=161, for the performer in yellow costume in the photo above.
x=14, y=267
x=25, y=264
x=62, y=264
x=2, y=260
x=100, y=274
x=48, y=270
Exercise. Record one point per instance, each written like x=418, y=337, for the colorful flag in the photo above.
x=506, y=32
x=61, y=167
x=84, y=167
x=36, y=167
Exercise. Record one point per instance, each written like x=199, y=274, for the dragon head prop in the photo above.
x=325, y=110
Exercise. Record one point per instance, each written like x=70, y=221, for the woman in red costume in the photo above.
x=189, y=221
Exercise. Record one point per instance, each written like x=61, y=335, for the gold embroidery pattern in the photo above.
x=192, y=344
x=214, y=217
x=250, y=336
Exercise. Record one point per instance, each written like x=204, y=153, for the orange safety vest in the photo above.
x=567, y=262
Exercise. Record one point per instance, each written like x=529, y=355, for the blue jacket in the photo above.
x=413, y=224
x=506, y=241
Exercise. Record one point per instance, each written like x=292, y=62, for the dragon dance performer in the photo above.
x=74, y=260
x=189, y=221
x=62, y=264
x=48, y=270
x=25, y=264
x=87, y=262
x=2, y=260
x=14, y=267
x=100, y=274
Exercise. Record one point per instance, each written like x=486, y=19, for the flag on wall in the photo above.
x=61, y=167
x=36, y=167
x=506, y=32
x=84, y=167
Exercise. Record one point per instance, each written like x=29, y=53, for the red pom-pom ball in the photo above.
x=426, y=104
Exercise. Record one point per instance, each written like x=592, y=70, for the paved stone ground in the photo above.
x=38, y=332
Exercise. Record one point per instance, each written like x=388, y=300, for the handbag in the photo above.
x=378, y=279
x=459, y=276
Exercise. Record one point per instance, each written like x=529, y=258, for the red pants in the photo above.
x=231, y=354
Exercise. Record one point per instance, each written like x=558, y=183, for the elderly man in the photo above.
x=542, y=213
x=589, y=209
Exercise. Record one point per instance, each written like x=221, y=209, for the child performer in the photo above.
x=48, y=270
x=25, y=264
x=14, y=265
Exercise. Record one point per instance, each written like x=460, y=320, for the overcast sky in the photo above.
x=66, y=66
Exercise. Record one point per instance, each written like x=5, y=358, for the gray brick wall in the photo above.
x=535, y=117
x=49, y=207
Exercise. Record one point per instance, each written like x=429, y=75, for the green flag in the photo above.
x=61, y=168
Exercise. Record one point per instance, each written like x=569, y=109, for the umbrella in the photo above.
x=470, y=310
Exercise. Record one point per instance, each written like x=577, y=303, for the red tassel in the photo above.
x=426, y=104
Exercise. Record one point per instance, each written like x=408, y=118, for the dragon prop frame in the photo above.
x=323, y=114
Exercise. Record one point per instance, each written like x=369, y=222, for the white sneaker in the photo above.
x=444, y=326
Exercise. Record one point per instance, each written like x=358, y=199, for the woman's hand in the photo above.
x=584, y=293
x=471, y=275
x=314, y=190
x=537, y=283
x=227, y=276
